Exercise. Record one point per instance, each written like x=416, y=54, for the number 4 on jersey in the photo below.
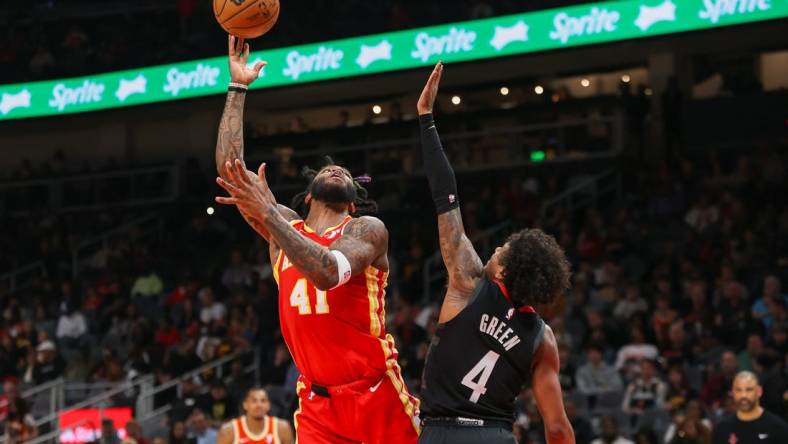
x=300, y=298
x=485, y=368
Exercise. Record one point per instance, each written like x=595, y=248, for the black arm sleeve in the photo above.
x=437, y=168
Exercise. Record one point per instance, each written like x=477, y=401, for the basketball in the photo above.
x=246, y=18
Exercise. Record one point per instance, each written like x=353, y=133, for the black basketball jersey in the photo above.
x=479, y=360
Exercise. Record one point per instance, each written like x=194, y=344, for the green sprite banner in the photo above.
x=471, y=40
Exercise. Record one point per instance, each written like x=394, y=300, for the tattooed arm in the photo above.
x=462, y=262
x=230, y=141
x=364, y=242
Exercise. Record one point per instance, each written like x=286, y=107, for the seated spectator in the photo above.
x=238, y=275
x=633, y=303
x=678, y=393
x=20, y=425
x=178, y=434
x=72, y=330
x=771, y=292
x=134, y=432
x=663, y=318
x=609, y=433
x=647, y=391
x=201, y=429
x=584, y=432
x=630, y=355
x=677, y=349
x=717, y=387
x=689, y=426
x=217, y=405
x=109, y=434
x=748, y=357
x=596, y=376
x=45, y=365
x=210, y=309
x=147, y=285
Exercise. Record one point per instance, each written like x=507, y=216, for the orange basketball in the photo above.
x=246, y=18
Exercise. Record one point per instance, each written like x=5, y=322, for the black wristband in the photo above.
x=237, y=89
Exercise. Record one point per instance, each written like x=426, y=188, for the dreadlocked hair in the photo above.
x=364, y=205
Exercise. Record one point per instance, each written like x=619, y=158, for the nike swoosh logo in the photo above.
x=375, y=388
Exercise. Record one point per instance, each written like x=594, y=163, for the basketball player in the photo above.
x=255, y=426
x=331, y=268
x=751, y=424
x=489, y=340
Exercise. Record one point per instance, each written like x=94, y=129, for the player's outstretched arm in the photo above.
x=547, y=392
x=230, y=141
x=462, y=262
x=365, y=238
x=226, y=434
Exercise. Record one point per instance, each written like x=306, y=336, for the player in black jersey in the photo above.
x=489, y=341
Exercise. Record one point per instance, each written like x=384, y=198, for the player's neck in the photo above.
x=321, y=217
x=255, y=426
x=752, y=415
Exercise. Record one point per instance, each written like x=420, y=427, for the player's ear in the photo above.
x=352, y=209
x=308, y=199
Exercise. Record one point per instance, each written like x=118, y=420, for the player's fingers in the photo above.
x=239, y=46
x=230, y=44
x=225, y=200
x=261, y=173
x=259, y=67
x=240, y=170
x=230, y=188
x=246, y=53
x=228, y=166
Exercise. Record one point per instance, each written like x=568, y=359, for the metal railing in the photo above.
x=484, y=242
x=88, y=192
x=584, y=192
x=22, y=277
x=136, y=229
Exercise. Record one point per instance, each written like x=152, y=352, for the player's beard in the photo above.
x=331, y=193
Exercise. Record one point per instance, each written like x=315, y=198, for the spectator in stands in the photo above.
x=186, y=402
x=134, y=432
x=596, y=376
x=679, y=392
x=677, y=349
x=20, y=425
x=630, y=355
x=210, y=309
x=748, y=357
x=771, y=291
x=717, y=387
x=147, y=285
x=632, y=304
x=646, y=392
x=45, y=365
x=664, y=315
x=12, y=360
x=609, y=433
x=584, y=432
x=178, y=434
x=238, y=275
x=689, y=426
x=217, y=405
x=778, y=338
x=732, y=322
x=201, y=429
x=72, y=331
x=109, y=434
x=10, y=394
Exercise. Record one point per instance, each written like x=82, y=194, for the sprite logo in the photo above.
x=325, y=59
x=721, y=8
x=63, y=96
x=456, y=40
x=199, y=77
x=597, y=21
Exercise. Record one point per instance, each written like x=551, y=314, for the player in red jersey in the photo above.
x=331, y=268
x=255, y=426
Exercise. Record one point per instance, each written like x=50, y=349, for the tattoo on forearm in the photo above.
x=230, y=142
x=458, y=254
x=312, y=259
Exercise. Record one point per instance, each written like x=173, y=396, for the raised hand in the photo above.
x=248, y=192
x=239, y=56
x=427, y=99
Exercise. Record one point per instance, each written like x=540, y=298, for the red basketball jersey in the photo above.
x=269, y=435
x=336, y=336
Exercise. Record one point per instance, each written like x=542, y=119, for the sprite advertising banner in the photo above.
x=472, y=40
